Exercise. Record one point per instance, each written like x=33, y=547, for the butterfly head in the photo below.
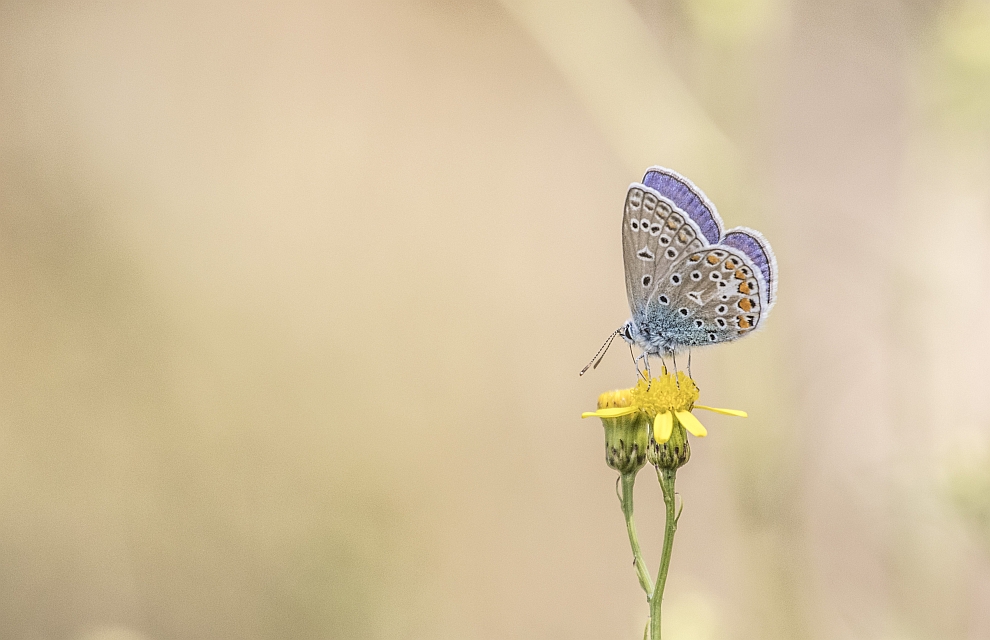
x=630, y=332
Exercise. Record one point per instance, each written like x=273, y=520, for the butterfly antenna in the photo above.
x=601, y=353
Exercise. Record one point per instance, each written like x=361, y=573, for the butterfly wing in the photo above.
x=715, y=295
x=718, y=297
x=688, y=198
x=687, y=283
x=655, y=235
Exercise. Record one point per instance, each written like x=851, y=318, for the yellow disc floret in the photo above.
x=665, y=394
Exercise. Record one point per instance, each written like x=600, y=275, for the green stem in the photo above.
x=628, y=479
x=666, y=477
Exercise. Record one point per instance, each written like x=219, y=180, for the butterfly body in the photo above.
x=689, y=283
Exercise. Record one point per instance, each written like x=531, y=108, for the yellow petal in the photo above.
x=691, y=423
x=728, y=412
x=612, y=412
x=663, y=425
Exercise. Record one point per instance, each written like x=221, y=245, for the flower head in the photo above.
x=665, y=394
x=666, y=403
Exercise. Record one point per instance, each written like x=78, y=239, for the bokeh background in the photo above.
x=293, y=297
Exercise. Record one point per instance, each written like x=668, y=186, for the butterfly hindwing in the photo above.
x=655, y=235
x=715, y=295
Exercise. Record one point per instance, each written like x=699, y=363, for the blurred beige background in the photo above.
x=293, y=296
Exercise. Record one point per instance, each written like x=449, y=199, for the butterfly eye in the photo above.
x=696, y=275
x=634, y=224
x=647, y=279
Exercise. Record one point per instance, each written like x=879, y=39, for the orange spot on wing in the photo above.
x=745, y=290
x=745, y=304
x=739, y=275
x=743, y=322
x=712, y=258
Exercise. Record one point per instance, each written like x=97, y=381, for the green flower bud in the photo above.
x=675, y=451
x=627, y=437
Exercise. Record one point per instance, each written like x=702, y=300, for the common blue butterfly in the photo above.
x=689, y=283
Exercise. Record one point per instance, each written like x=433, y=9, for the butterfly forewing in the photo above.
x=655, y=236
x=688, y=198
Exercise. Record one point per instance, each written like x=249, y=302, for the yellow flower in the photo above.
x=664, y=401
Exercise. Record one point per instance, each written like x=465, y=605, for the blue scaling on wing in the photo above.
x=758, y=250
x=688, y=198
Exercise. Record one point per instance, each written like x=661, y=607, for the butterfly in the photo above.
x=689, y=283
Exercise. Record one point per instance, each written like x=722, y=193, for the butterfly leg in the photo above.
x=649, y=374
x=635, y=361
x=689, y=364
x=677, y=379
